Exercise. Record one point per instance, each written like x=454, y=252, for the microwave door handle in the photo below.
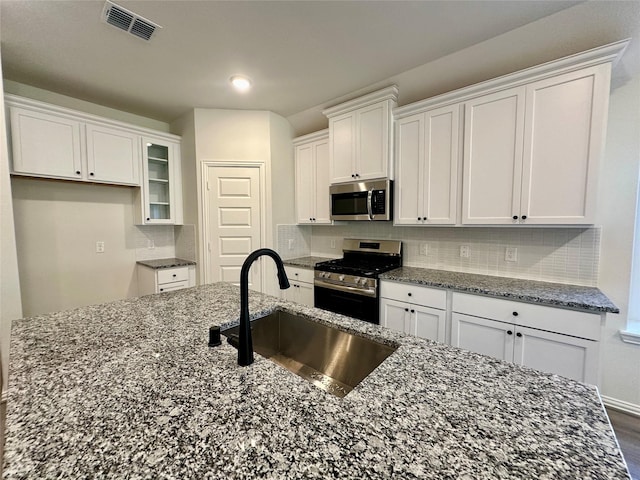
x=369, y=207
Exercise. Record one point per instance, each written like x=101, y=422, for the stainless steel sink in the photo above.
x=331, y=359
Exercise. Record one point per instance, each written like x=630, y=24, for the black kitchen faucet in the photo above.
x=245, y=343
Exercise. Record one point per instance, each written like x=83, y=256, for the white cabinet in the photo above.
x=564, y=342
x=531, y=152
x=159, y=280
x=427, y=162
x=160, y=196
x=55, y=144
x=301, y=286
x=361, y=137
x=312, y=178
x=412, y=309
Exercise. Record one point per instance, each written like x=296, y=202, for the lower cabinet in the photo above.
x=553, y=340
x=415, y=310
x=301, y=289
x=159, y=280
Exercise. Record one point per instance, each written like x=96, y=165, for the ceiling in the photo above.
x=299, y=54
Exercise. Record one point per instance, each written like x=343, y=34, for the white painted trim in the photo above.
x=621, y=405
x=630, y=337
x=311, y=137
x=610, y=53
x=265, y=213
x=16, y=101
x=389, y=93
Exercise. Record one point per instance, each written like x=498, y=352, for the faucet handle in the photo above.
x=214, y=336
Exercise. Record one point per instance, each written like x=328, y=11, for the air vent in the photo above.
x=128, y=21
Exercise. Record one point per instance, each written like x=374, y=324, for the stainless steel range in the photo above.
x=349, y=285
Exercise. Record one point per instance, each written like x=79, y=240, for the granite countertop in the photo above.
x=543, y=293
x=306, y=262
x=165, y=263
x=130, y=389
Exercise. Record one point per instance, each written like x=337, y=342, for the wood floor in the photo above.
x=627, y=428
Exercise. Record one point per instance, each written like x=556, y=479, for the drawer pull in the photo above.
x=509, y=332
x=409, y=293
x=515, y=314
x=518, y=334
x=413, y=311
x=406, y=309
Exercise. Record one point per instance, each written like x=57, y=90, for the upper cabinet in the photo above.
x=312, y=178
x=531, y=152
x=530, y=144
x=361, y=137
x=427, y=164
x=160, y=197
x=54, y=142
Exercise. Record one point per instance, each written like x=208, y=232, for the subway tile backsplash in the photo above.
x=155, y=241
x=563, y=255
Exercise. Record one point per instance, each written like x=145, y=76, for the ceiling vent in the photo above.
x=128, y=21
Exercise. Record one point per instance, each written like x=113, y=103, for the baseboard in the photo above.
x=621, y=405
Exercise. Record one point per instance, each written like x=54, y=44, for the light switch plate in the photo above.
x=511, y=254
x=424, y=249
x=464, y=251
x=99, y=247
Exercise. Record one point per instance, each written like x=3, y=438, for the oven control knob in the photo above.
x=325, y=275
x=356, y=280
x=341, y=277
x=363, y=281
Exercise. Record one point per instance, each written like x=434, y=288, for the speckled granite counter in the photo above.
x=165, y=263
x=306, y=262
x=130, y=390
x=544, y=293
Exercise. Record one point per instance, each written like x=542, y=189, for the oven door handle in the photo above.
x=345, y=288
x=369, y=201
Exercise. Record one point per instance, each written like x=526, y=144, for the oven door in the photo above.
x=347, y=301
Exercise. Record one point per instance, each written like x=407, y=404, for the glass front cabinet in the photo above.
x=161, y=190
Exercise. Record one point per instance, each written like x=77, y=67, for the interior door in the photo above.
x=234, y=222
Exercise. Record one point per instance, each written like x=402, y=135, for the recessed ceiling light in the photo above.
x=240, y=83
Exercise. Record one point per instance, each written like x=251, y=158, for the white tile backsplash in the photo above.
x=294, y=241
x=185, y=242
x=162, y=238
x=563, y=255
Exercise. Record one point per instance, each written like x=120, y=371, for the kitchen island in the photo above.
x=130, y=389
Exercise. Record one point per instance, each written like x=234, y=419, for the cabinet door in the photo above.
x=305, y=294
x=564, y=135
x=409, y=168
x=45, y=144
x=481, y=335
x=440, y=166
x=342, y=148
x=159, y=186
x=395, y=315
x=493, y=142
x=305, y=179
x=570, y=357
x=321, y=190
x=427, y=323
x=372, y=134
x=113, y=155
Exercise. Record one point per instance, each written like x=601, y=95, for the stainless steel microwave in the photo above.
x=364, y=200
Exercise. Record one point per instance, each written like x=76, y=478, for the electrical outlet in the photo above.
x=511, y=254
x=291, y=244
x=151, y=244
x=333, y=243
x=424, y=248
x=464, y=251
x=99, y=247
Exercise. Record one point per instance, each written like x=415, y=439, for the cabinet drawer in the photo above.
x=299, y=274
x=568, y=322
x=169, y=287
x=406, y=292
x=170, y=275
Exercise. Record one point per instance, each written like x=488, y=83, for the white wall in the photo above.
x=10, y=304
x=238, y=135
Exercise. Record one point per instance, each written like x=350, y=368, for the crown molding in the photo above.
x=388, y=93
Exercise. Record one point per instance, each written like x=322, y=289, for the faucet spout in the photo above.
x=245, y=342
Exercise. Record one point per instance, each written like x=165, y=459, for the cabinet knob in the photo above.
x=148, y=219
x=518, y=334
x=353, y=175
x=515, y=314
x=406, y=309
x=77, y=172
x=357, y=174
x=515, y=217
x=296, y=274
x=413, y=311
x=313, y=219
x=162, y=289
x=509, y=332
x=409, y=293
x=91, y=174
x=524, y=217
x=175, y=275
x=310, y=219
